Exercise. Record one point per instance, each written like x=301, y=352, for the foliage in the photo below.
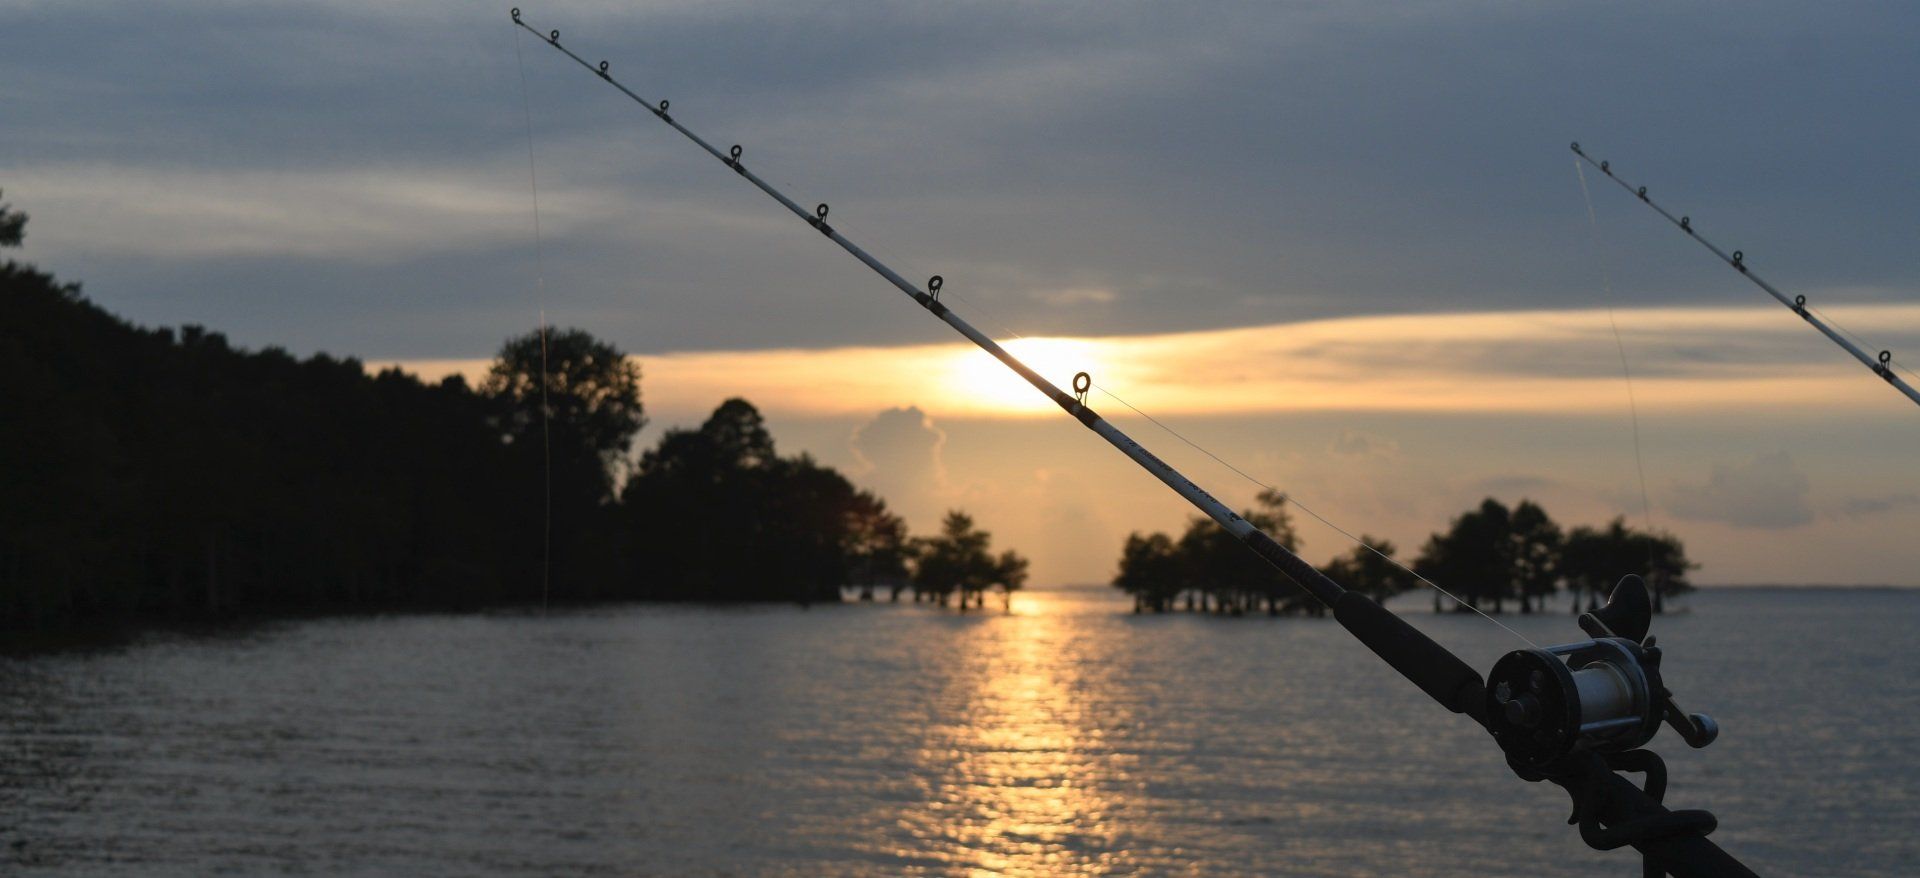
x=591, y=392
x=1489, y=555
x=1593, y=561
x=1010, y=574
x=716, y=513
x=1492, y=554
x=153, y=473
x=956, y=560
x=13, y=225
x=878, y=547
x=1213, y=567
x=1371, y=573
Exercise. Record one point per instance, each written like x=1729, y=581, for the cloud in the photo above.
x=1765, y=492
x=899, y=457
x=1027, y=151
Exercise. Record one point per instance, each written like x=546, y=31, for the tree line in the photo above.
x=1489, y=557
x=158, y=473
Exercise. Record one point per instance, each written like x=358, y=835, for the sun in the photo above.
x=981, y=383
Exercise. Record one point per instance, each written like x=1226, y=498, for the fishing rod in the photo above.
x=1881, y=365
x=1574, y=715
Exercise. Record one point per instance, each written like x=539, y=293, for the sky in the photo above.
x=1342, y=246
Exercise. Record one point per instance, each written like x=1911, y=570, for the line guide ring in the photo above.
x=1082, y=382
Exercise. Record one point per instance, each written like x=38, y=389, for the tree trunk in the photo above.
x=213, y=572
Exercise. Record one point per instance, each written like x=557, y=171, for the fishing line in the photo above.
x=540, y=295
x=1633, y=405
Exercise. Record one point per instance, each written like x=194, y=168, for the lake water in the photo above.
x=1067, y=738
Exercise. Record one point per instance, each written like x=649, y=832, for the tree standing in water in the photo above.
x=1212, y=565
x=1537, y=544
x=1151, y=570
x=1010, y=573
x=1474, y=558
x=955, y=561
x=878, y=546
x=1368, y=573
x=1594, y=559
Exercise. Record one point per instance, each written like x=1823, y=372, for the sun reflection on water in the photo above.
x=1025, y=785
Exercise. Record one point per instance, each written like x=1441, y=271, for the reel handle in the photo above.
x=1697, y=729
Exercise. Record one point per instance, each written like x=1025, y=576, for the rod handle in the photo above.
x=1428, y=665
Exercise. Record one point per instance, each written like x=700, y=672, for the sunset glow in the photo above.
x=992, y=385
x=1515, y=361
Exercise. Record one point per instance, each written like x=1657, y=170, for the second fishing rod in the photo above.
x=1541, y=712
x=1881, y=364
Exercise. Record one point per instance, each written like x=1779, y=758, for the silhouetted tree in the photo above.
x=878, y=547
x=591, y=394
x=956, y=561
x=166, y=472
x=1213, y=566
x=1593, y=560
x=149, y=473
x=1537, y=543
x=1368, y=573
x=717, y=514
x=1010, y=574
x=1474, y=559
x=13, y=224
x=1151, y=570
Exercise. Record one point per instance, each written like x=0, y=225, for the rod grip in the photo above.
x=1430, y=666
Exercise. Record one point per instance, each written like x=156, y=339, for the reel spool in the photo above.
x=1603, y=695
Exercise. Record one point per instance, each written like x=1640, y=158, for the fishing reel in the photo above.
x=1603, y=695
